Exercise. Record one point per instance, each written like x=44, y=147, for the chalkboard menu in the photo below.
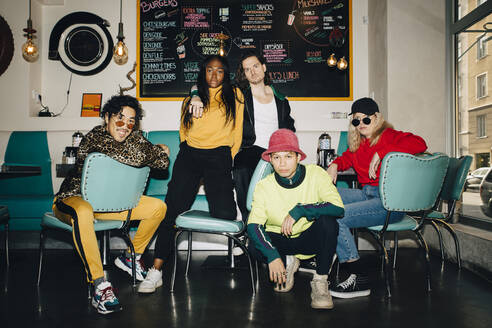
x=296, y=37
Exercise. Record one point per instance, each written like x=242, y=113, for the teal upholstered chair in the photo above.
x=342, y=146
x=201, y=221
x=27, y=198
x=450, y=193
x=4, y=220
x=410, y=184
x=157, y=186
x=109, y=186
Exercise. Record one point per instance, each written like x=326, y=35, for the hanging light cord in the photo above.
x=121, y=9
x=68, y=93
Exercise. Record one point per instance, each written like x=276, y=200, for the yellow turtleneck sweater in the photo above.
x=211, y=130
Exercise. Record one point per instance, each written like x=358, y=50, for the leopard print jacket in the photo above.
x=135, y=151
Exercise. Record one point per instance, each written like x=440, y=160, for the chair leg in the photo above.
x=7, y=243
x=126, y=236
x=41, y=250
x=105, y=247
x=386, y=265
x=456, y=241
x=395, y=249
x=173, y=276
x=245, y=250
x=230, y=255
x=439, y=234
x=427, y=259
x=188, y=253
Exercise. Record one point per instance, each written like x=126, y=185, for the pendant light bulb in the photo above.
x=342, y=64
x=120, y=51
x=332, y=60
x=30, y=51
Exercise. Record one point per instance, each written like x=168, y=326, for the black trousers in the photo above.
x=319, y=239
x=192, y=164
x=244, y=166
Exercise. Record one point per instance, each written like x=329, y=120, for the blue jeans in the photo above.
x=363, y=208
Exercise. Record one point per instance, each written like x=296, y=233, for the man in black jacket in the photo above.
x=265, y=111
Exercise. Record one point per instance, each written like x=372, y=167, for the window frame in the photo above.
x=485, y=86
x=481, y=126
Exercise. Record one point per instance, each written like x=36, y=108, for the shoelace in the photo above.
x=107, y=294
x=140, y=265
x=320, y=287
x=349, y=282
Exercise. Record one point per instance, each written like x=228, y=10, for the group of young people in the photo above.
x=226, y=128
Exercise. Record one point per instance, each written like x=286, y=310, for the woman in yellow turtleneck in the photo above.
x=208, y=146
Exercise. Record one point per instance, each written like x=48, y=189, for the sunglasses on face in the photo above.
x=129, y=125
x=366, y=120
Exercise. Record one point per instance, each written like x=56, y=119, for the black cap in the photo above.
x=364, y=105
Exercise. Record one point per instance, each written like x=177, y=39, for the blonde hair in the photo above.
x=355, y=138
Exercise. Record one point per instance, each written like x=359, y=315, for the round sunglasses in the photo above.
x=129, y=125
x=366, y=120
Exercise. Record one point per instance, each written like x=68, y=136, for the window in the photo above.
x=481, y=47
x=481, y=126
x=481, y=85
x=473, y=104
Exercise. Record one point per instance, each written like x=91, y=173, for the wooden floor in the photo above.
x=221, y=298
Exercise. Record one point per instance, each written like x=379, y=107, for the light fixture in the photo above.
x=120, y=52
x=29, y=48
x=222, y=37
x=331, y=61
x=342, y=64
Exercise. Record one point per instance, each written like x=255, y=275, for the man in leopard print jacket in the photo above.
x=120, y=138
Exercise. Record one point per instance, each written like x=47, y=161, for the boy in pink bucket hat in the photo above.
x=294, y=211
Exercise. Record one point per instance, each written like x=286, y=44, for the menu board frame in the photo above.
x=347, y=85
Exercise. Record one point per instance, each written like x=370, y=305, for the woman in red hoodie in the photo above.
x=370, y=138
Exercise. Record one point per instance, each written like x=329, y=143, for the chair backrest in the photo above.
x=262, y=170
x=158, y=185
x=342, y=143
x=455, y=178
x=110, y=186
x=409, y=183
x=28, y=148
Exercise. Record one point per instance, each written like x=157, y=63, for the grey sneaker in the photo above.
x=152, y=281
x=320, y=295
x=292, y=268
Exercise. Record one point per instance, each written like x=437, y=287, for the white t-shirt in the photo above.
x=266, y=121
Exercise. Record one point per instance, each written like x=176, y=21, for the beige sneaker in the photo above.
x=292, y=267
x=152, y=281
x=320, y=295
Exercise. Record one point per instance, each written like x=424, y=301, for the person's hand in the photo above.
x=277, y=271
x=196, y=107
x=332, y=171
x=165, y=148
x=373, y=166
x=287, y=225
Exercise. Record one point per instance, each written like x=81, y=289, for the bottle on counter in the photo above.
x=77, y=138
x=325, y=153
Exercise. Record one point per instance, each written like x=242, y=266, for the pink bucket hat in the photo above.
x=282, y=140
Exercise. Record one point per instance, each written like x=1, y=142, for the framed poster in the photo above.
x=91, y=104
x=307, y=44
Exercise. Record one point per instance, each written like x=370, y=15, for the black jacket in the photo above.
x=285, y=121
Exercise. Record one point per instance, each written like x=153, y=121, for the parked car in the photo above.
x=486, y=193
x=474, y=178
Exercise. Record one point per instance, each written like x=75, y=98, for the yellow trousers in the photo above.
x=80, y=215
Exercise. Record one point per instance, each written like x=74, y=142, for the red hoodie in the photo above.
x=390, y=140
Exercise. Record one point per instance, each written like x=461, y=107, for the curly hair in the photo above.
x=354, y=137
x=240, y=79
x=116, y=103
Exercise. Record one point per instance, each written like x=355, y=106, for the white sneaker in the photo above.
x=104, y=299
x=237, y=251
x=291, y=268
x=320, y=295
x=152, y=281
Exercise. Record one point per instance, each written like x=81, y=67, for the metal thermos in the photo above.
x=77, y=138
x=325, y=153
